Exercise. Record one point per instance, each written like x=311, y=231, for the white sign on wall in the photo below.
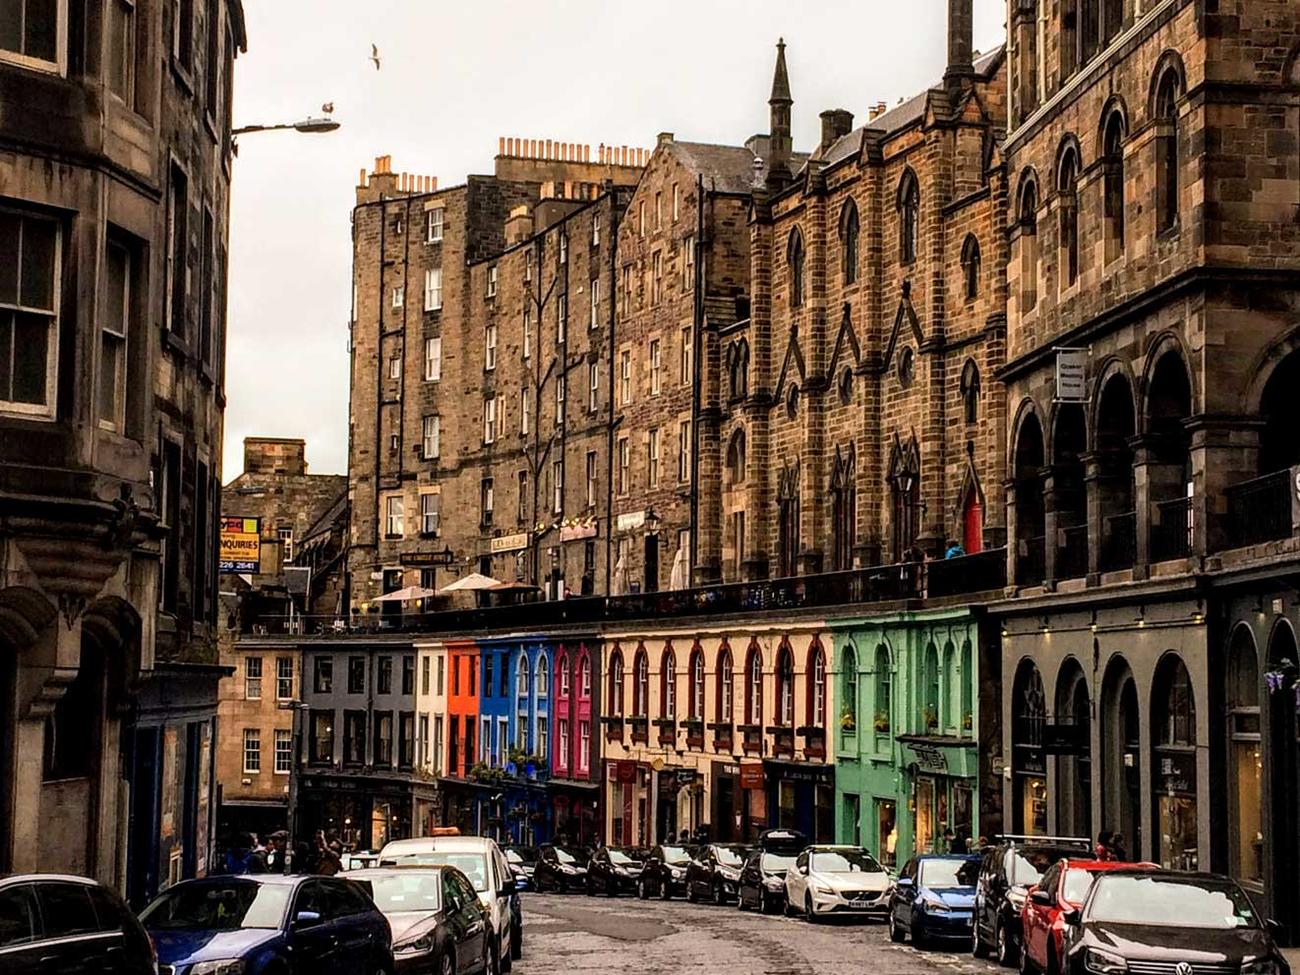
x=1071, y=375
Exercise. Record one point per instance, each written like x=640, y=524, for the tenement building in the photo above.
x=1153, y=351
x=113, y=226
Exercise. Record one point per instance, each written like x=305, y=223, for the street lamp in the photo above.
x=308, y=126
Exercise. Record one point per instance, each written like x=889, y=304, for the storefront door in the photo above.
x=923, y=835
x=887, y=832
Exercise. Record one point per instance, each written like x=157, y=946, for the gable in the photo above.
x=846, y=342
x=793, y=361
x=905, y=317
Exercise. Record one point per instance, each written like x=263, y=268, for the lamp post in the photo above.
x=308, y=126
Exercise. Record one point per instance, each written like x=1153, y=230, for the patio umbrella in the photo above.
x=677, y=578
x=620, y=577
x=474, y=582
x=513, y=587
x=405, y=595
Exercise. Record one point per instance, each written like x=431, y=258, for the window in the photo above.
x=785, y=689
x=29, y=301
x=625, y=376
x=684, y=450
x=31, y=33
x=521, y=515
x=528, y=328
x=170, y=500
x=1028, y=237
x=207, y=286
x=422, y=740
x=595, y=229
x=595, y=303
x=394, y=520
x=543, y=676
x=754, y=688
x=593, y=387
x=817, y=688
x=433, y=225
x=616, y=685
x=120, y=72
x=684, y=372
x=652, y=457
x=696, y=702
x=656, y=367
x=486, y=501
x=849, y=233
x=431, y=437
x=562, y=672
x=183, y=36
x=970, y=266
x=795, y=267
x=323, y=675
x=395, y=367
x=688, y=263
x=356, y=675
x=424, y=672
x=584, y=746
x=436, y=758
x=283, y=751
x=503, y=740
x=561, y=319
x=432, y=289
x=399, y=296
x=1167, y=152
x=543, y=736
x=909, y=218
x=1113, y=184
x=725, y=687
x=557, y=485
x=560, y=392
x=433, y=359
x=408, y=674
x=641, y=218
x=490, y=420
x=489, y=674
x=528, y=264
x=659, y=210
x=884, y=690
x=668, y=685
x=592, y=489
x=525, y=410
x=442, y=673
x=626, y=290
x=252, y=678
x=641, y=686
x=252, y=750
x=490, y=347
x=430, y=513
x=677, y=203
x=624, y=463
x=492, y=281
x=564, y=247
x=322, y=736
x=384, y=738
x=656, y=278
x=284, y=678
x=1069, y=215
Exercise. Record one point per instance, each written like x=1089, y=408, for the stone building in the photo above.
x=113, y=227
x=1152, y=155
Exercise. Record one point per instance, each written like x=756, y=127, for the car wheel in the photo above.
x=665, y=894
x=896, y=933
x=642, y=892
x=719, y=895
x=447, y=964
x=920, y=939
x=691, y=897
x=740, y=899
x=1006, y=948
x=809, y=914
x=517, y=943
x=977, y=946
x=1027, y=966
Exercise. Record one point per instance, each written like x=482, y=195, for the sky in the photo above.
x=454, y=76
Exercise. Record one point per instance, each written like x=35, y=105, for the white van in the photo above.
x=481, y=860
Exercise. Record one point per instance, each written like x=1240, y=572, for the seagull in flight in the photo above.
x=374, y=56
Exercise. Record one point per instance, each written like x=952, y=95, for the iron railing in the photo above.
x=966, y=574
x=1119, y=541
x=1072, y=552
x=1259, y=510
x=1031, y=561
x=1171, y=536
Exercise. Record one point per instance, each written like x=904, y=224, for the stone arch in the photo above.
x=1120, y=716
x=1027, y=463
x=1027, y=198
x=1156, y=363
x=795, y=259
x=1169, y=62
x=24, y=613
x=1072, y=709
x=1029, y=773
x=1174, y=740
x=1111, y=369
x=1116, y=108
x=737, y=458
x=1068, y=149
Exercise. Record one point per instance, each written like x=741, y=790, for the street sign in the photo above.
x=1071, y=375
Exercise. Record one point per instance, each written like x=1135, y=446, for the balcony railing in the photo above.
x=1171, y=536
x=1031, y=562
x=1119, y=541
x=882, y=583
x=1259, y=510
x=1072, y=552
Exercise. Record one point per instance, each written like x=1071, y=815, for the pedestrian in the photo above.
x=255, y=862
x=684, y=836
x=961, y=844
x=1117, y=851
x=949, y=840
x=1103, y=847
x=277, y=855
x=329, y=855
x=954, y=550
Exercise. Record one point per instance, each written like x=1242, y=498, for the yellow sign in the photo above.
x=241, y=544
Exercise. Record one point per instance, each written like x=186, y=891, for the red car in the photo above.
x=1063, y=888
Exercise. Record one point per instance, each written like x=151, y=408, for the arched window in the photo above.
x=849, y=688
x=697, y=685
x=616, y=684
x=523, y=677
x=1027, y=214
x=1173, y=712
x=849, y=231
x=754, y=688
x=1031, y=531
x=726, y=687
x=1028, y=716
x=785, y=688
x=909, y=218
x=736, y=458
x=738, y=368
x=1067, y=187
x=882, y=718
x=562, y=672
x=970, y=266
x=641, y=686
x=668, y=685
x=816, y=686
x=543, y=676
x=951, y=689
x=967, y=689
x=794, y=258
x=970, y=391
x=930, y=701
x=584, y=676
x=1113, y=183
x=1166, y=115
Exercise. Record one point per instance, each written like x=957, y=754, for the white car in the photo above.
x=841, y=880
x=481, y=860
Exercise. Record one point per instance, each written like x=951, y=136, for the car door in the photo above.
x=312, y=931
x=21, y=943
x=352, y=919
x=906, y=892
x=469, y=920
x=983, y=924
x=75, y=944
x=796, y=880
x=132, y=954
x=1037, y=918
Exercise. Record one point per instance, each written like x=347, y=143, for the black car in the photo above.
x=440, y=927
x=715, y=872
x=560, y=869
x=1009, y=868
x=523, y=861
x=1169, y=921
x=664, y=872
x=762, y=881
x=614, y=870
x=54, y=924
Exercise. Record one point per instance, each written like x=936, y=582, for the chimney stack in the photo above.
x=960, y=44
x=836, y=123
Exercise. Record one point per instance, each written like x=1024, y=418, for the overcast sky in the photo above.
x=456, y=75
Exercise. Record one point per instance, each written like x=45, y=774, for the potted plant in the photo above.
x=848, y=720
x=931, y=716
x=882, y=722
x=967, y=721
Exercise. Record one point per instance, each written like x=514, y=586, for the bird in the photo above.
x=374, y=55
x=328, y=108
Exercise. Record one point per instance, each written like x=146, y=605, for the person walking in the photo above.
x=1117, y=851
x=329, y=855
x=1103, y=848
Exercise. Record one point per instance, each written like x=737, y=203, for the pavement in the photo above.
x=578, y=935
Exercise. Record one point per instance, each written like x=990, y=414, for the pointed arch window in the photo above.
x=726, y=687
x=909, y=218
x=641, y=686
x=970, y=267
x=849, y=232
x=795, y=260
x=785, y=688
x=849, y=690
x=616, y=684
x=1027, y=214
x=668, y=685
x=844, y=508
x=1067, y=187
x=1113, y=183
x=970, y=390
x=1166, y=114
x=543, y=676
x=562, y=674
x=788, y=520
x=738, y=368
x=754, y=688
x=697, y=685
x=816, y=716
x=584, y=676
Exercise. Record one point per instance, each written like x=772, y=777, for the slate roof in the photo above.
x=731, y=167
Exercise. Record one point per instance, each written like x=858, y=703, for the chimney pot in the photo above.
x=663, y=137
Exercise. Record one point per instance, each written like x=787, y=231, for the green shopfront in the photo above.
x=908, y=765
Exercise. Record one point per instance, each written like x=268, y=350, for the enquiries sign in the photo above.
x=241, y=544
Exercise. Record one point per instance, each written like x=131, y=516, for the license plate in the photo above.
x=859, y=905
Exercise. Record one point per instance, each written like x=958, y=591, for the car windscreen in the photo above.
x=1077, y=884
x=845, y=861
x=472, y=865
x=564, y=856
x=524, y=854
x=1177, y=902
x=618, y=856
x=218, y=907
x=676, y=855
x=731, y=856
x=407, y=892
x=776, y=862
x=1030, y=863
x=947, y=873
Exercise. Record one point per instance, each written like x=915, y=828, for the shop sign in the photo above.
x=241, y=544
x=626, y=772
x=751, y=775
x=508, y=543
x=1029, y=758
x=574, y=533
x=1295, y=496
x=815, y=774
x=1177, y=774
x=1071, y=375
x=630, y=522
x=928, y=757
x=685, y=776
x=426, y=559
x=730, y=769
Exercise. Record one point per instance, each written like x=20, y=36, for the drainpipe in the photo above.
x=613, y=352
x=697, y=346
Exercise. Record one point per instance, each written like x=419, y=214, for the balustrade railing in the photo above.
x=1259, y=510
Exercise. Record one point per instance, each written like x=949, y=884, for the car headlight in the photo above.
x=418, y=946
x=567, y=869
x=934, y=905
x=1260, y=966
x=822, y=889
x=1104, y=962
x=222, y=966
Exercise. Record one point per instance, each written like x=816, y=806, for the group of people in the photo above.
x=277, y=855
x=1110, y=846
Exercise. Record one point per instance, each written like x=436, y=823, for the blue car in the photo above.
x=933, y=898
x=268, y=924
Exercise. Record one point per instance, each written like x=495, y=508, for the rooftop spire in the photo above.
x=780, y=145
x=780, y=79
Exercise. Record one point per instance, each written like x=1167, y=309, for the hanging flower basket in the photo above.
x=1284, y=678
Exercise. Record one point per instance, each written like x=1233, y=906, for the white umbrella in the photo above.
x=405, y=595
x=620, y=577
x=471, y=583
x=677, y=578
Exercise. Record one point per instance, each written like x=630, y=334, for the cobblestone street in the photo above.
x=578, y=935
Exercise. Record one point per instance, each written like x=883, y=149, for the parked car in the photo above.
x=1063, y=888
x=664, y=872
x=933, y=898
x=762, y=881
x=481, y=860
x=560, y=869
x=264, y=924
x=523, y=861
x=839, y=880
x=614, y=870
x=51, y=924
x=1162, y=920
x=1010, y=867
x=715, y=871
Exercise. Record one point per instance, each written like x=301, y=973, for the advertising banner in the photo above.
x=241, y=544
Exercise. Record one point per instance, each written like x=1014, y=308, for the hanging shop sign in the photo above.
x=751, y=775
x=631, y=521
x=928, y=758
x=1071, y=375
x=241, y=544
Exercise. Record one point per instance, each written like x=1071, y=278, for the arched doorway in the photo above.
x=1173, y=764
x=1283, y=775
x=1028, y=767
x=1169, y=468
x=1245, y=761
x=1031, y=526
x=1114, y=480
x=1074, y=765
x=1067, y=498
x=1121, y=765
